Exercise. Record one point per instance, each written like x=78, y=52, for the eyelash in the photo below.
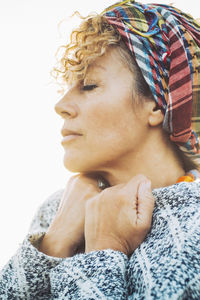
x=89, y=87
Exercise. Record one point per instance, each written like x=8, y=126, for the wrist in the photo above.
x=104, y=245
x=51, y=247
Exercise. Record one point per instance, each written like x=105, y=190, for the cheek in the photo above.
x=103, y=121
x=110, y=127
x=109, y=119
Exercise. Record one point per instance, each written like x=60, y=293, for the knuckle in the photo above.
x=91, y=202
x=105, y=194
x=73, y=179
x=70, y=180
x=80, y=179
x=88, y=204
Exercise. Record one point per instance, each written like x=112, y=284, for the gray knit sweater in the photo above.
x=165, y=266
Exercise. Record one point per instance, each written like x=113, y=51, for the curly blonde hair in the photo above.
x=87, y=42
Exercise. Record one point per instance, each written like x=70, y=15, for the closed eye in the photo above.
x=89, y=87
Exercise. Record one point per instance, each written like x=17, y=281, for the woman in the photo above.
x=133, y=78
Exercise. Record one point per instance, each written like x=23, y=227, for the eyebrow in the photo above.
x=98, y=66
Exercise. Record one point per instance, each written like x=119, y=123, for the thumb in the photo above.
x=146, y=202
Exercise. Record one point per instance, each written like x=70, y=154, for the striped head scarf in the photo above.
x=165, y=43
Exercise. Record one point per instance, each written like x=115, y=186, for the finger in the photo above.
x=146, y=203
x=131, y=187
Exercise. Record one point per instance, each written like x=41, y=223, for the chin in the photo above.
x=76, y=166
x=80, y=165
x=72, y=167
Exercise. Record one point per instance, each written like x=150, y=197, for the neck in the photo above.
x=159, y=163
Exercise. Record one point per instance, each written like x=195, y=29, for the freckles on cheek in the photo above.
x=98, y=117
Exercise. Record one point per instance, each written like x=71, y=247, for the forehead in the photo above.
x=109, y=62
x=109, y=66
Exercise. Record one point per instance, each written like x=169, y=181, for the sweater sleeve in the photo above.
x=26, y=275
x=31, y=274
x=95, y=275
x=179, y=270
x=167, y=264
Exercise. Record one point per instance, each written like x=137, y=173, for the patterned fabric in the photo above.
x=190, y=176
x=166, y=45
x=165, y=266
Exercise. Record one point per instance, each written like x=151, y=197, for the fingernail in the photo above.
x=146, y=185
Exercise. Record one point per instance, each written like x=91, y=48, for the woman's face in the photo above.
x=101, y=112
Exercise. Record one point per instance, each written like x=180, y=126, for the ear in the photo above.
x=156, y=116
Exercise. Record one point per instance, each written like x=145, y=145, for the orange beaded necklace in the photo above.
x=190, y=176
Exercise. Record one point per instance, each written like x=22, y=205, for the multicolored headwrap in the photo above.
x=165, y=43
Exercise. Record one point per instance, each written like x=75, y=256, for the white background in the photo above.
x=31, y=156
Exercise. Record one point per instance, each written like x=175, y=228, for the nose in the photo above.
x=65, y=108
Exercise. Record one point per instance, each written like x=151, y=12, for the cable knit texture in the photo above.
x=165, y=266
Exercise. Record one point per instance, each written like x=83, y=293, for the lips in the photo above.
x=69, y=135
x=66, y=132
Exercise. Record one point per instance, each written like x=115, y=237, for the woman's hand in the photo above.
x=119, y=217
x=65, y=235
